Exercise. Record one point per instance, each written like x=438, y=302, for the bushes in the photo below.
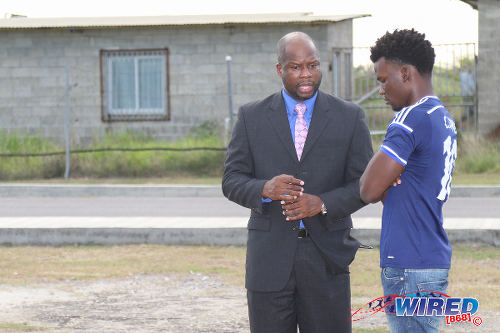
x=157, y=163
x=28, y=167
x=475, y=156
x=150, y=163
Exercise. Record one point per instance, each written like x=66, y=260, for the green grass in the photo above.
x=150, y=163
x=473, y=268
x=174, y=179
x=115, y=164
x=491, y=178
x=475, y=271
x=25, y=167
x=478, y=161
x=370, y=330
x=17, y=327
x=478, y=156
x=27, y=265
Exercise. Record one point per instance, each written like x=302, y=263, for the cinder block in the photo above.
x=198, y=73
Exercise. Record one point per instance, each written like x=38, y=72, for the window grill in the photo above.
x=135, y=85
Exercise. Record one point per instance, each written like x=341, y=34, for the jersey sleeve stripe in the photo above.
x=393, y=154
x=403, y=126
x=434, y=109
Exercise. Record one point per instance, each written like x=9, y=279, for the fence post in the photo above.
x=230, y=93
x=67, y=125
x=227, y=131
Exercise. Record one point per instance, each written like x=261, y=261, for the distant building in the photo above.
x=158, y=76
x=488, y=75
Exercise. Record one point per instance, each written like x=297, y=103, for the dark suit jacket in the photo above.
x=336, y=152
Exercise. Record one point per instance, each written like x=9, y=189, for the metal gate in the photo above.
x=454, y=80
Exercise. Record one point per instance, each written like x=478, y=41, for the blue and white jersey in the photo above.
x=422, y=137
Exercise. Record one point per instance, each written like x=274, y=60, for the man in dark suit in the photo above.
x=301, y=195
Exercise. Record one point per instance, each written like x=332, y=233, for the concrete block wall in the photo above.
x=489, y=65
x=33, y=74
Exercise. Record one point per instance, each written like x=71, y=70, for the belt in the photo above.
x=303, y=233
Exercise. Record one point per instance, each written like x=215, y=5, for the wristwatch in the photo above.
x=323, y=209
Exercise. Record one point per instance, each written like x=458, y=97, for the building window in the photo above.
x=134, y=85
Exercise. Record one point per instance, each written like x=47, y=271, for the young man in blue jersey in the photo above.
x=417, y=156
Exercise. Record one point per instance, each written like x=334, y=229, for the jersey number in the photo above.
x=450, y=152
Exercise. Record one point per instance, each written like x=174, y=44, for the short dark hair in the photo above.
x=406, y=46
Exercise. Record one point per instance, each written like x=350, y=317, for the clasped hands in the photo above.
x=296, y=204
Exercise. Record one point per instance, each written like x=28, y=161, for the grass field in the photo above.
x=20, y=327
x=478, y=161
x=179, y=179
x=475, y=270
x=487, y=178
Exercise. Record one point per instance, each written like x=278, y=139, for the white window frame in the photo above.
x=137, y=113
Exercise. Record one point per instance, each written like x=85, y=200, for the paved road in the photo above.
x=196, y=206
x=194, y=220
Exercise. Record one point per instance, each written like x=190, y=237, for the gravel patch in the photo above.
x=193, y=303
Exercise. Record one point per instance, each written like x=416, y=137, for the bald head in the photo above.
x=298, y=65
x=292, y=38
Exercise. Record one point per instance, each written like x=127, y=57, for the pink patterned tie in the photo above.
x=300, y=129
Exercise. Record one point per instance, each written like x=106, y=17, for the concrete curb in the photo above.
x=117, y=236
x=222, y=231
x=63, y=235
x=475, y=191
x=194, y=236
x=473, y=237
x=108, y=190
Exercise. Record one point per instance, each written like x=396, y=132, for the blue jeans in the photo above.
x=401, y=281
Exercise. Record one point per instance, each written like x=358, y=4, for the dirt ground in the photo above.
x=192, y=303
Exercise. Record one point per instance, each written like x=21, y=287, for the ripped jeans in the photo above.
x=401, y=281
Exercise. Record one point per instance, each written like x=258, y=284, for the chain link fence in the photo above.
x=454, y=81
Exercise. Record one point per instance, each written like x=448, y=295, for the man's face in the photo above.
x=394, y=85
x=300, y=74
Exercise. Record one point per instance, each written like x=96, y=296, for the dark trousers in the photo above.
x=315, y=299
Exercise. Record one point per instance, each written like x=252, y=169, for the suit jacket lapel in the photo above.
x=319, y=121
x=279, y=121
